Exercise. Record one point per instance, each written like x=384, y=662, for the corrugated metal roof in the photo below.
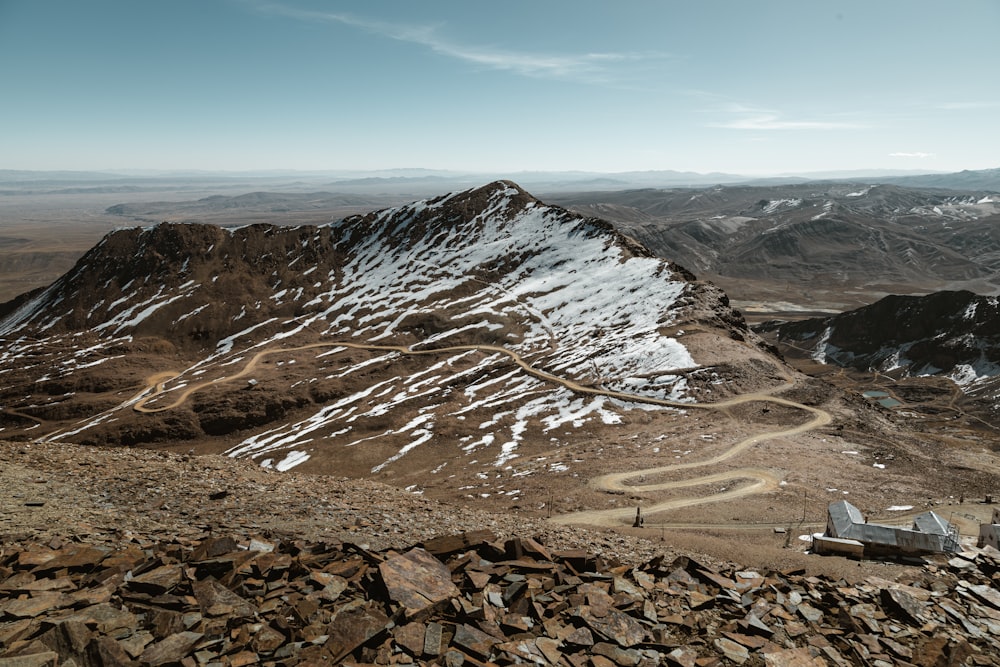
x=842, y=517
x=932, y=523
x=930, y=531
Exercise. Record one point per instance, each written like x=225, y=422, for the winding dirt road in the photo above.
x=762, y=481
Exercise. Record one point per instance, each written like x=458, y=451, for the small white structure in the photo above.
x=835, y=546
x=989, y=533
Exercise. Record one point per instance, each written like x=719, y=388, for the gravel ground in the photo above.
x=118, y=495
x=108, y=495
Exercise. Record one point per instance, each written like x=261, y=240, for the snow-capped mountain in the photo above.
x=400, y=341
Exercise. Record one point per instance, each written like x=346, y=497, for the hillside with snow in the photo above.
x=948, y=334
x=380, y=344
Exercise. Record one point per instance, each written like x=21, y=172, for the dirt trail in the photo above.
x=762, y=480
x=24, y=415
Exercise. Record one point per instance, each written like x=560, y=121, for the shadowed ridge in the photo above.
x=148, y=281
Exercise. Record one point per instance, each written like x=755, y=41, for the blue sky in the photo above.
x=739, y=86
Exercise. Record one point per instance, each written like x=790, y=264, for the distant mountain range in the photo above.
x=819, y=246
x=435, y=180
x=984, y=179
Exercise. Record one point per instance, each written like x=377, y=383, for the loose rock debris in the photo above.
x=471, y=599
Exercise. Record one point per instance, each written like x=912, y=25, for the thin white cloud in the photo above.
x=776, y=122
x=589, y=67
x=969, y=106
x=740, y=108
x=579, y=66
x=738, y=115
x=916, y=154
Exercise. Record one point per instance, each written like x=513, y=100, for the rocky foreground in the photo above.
x=134, y=557
x=469, y=600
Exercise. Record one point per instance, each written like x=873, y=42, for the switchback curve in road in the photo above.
x=762, y=481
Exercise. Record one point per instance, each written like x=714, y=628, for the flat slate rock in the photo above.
x=171, y=649
x=476, y=603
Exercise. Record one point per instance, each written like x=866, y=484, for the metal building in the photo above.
x=930, y=533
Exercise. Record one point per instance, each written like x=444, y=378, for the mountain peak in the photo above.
x=479, y=320
x=499, y=197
